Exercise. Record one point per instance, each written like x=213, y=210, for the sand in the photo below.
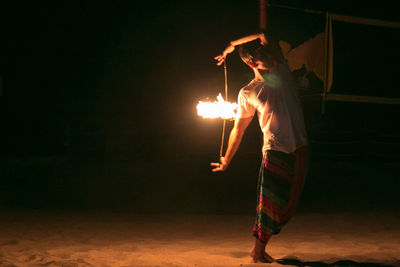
x=55, y=238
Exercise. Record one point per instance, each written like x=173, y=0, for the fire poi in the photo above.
x=218, y=109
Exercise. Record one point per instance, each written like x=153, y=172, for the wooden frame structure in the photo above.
x=328, y=70
x=327, y=95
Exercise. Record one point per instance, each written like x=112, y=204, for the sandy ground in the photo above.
x=53, y=238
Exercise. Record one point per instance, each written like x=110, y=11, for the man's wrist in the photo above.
x=226, y=161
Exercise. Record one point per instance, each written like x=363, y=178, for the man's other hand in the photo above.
x=221, y=166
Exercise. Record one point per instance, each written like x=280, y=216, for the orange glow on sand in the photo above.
x=218, y=109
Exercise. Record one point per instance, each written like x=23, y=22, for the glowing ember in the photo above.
x=218, y=109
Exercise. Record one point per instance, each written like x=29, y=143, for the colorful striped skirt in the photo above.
x=280, y=184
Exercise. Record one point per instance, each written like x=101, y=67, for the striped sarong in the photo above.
x=280, y=184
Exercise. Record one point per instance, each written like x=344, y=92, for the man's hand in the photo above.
x=222, y=166
x=221, y=58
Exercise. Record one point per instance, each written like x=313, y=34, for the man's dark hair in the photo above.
x=253, y=51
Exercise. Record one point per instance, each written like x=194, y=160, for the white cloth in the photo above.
x=278, y=108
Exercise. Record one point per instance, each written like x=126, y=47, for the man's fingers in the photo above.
x=220, y=59
x=217, y=169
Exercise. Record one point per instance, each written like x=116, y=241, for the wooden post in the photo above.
x=263, y=15
x=325, y=92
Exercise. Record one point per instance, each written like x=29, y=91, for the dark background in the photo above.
x=97, y=106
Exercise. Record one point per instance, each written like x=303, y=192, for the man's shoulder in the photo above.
x=245, y=91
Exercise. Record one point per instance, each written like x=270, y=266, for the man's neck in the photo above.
x=258, y=74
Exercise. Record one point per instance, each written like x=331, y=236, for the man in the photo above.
x=273, y=95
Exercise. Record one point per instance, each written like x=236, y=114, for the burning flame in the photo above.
x=218, y=109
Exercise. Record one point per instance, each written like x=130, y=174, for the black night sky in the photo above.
x=97, y=107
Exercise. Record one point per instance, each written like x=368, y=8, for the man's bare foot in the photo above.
x=263, y=257
x=258, y=253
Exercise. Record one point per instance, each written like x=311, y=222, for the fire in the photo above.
x=218, y=109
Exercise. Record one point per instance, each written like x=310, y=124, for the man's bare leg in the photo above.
x=258, y=253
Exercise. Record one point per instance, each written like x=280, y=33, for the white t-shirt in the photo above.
x=278, y=108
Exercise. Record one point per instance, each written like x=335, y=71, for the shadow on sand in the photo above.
x=339, y=263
